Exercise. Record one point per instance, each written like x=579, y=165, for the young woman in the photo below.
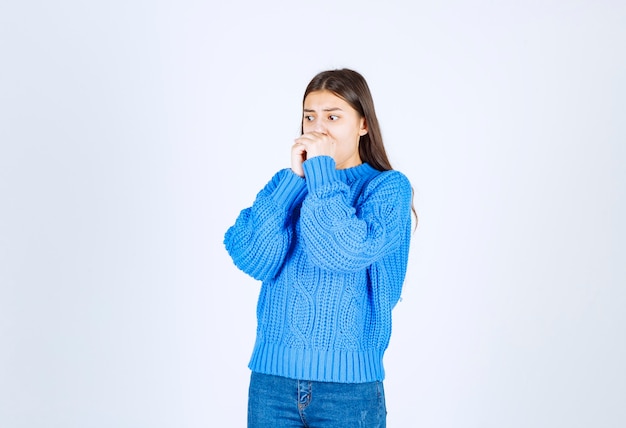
x=329, y=239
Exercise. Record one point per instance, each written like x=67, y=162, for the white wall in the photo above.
x=132, y=133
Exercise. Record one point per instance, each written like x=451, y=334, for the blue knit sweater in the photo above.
x=331, y=250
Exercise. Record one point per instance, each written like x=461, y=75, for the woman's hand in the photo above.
x=298, y=156
x=317, y=144
x=310, y=145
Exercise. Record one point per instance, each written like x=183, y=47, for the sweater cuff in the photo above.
x=290, y=191
x=320, y=171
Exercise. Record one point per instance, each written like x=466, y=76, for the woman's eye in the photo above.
x=333, y=117
x=308, y=118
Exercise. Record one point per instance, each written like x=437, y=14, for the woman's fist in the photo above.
x=317, y=144
x=298, y=156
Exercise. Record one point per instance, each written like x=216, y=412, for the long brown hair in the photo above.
x=351, y=86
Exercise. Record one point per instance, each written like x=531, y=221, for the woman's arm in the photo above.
x=262, y=234
x=344, y=238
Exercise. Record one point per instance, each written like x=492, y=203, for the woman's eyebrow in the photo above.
x=308, y=110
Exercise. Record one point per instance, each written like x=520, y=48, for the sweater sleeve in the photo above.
x=261, y=236
x=346, y=238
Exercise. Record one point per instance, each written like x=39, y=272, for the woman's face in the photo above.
x=326, y=113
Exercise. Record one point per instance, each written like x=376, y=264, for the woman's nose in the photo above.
x=319, y=127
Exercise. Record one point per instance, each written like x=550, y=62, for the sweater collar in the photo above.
x=356, y=172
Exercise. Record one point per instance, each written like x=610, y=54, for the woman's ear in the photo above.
x=363, y=129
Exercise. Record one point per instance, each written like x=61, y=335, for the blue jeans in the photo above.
x=279, y=402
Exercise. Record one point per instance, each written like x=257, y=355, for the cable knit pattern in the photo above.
x=331, y=250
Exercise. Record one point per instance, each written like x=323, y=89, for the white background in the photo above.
x=133, y=132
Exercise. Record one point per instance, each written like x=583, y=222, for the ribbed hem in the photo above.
x=318, y=365
x=290, y=191
x=319, y=171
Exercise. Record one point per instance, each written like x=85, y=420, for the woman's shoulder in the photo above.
x=390, y=178
x=390, y=186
